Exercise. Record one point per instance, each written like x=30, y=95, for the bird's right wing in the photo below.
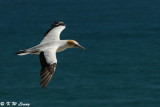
x=53, y=33
x=48, y=62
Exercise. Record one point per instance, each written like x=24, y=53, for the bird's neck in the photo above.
x=63, y=46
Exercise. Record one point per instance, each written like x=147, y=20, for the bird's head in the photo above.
x=74, y=44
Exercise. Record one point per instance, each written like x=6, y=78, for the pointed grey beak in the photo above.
x=79, y=46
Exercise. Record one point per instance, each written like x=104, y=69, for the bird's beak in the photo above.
x=79, y=46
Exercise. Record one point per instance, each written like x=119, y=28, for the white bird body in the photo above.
x=60, y=45
x=47, y=49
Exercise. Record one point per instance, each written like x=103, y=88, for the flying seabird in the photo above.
x=47, y=49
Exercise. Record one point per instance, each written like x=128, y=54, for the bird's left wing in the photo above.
x=48, y=62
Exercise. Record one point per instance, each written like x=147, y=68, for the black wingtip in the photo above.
x=58, y=23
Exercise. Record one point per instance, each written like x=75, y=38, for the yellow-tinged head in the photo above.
x=73, y=43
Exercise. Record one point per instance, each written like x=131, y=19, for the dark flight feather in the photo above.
x=47, y=70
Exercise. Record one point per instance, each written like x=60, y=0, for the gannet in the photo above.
x=47, y=49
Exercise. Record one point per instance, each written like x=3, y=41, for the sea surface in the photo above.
x=119, y=68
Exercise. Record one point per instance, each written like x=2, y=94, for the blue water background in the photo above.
x=119, y=68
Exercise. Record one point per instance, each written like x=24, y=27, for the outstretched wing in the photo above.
x=54, y=32
x=48, y=62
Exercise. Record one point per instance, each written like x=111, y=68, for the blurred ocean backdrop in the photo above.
x=119, y=68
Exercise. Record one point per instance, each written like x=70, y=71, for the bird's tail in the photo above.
x=25, y=52
x=22, y=52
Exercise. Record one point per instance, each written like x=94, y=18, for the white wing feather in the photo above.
x=53, y=34
x=50, y=56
